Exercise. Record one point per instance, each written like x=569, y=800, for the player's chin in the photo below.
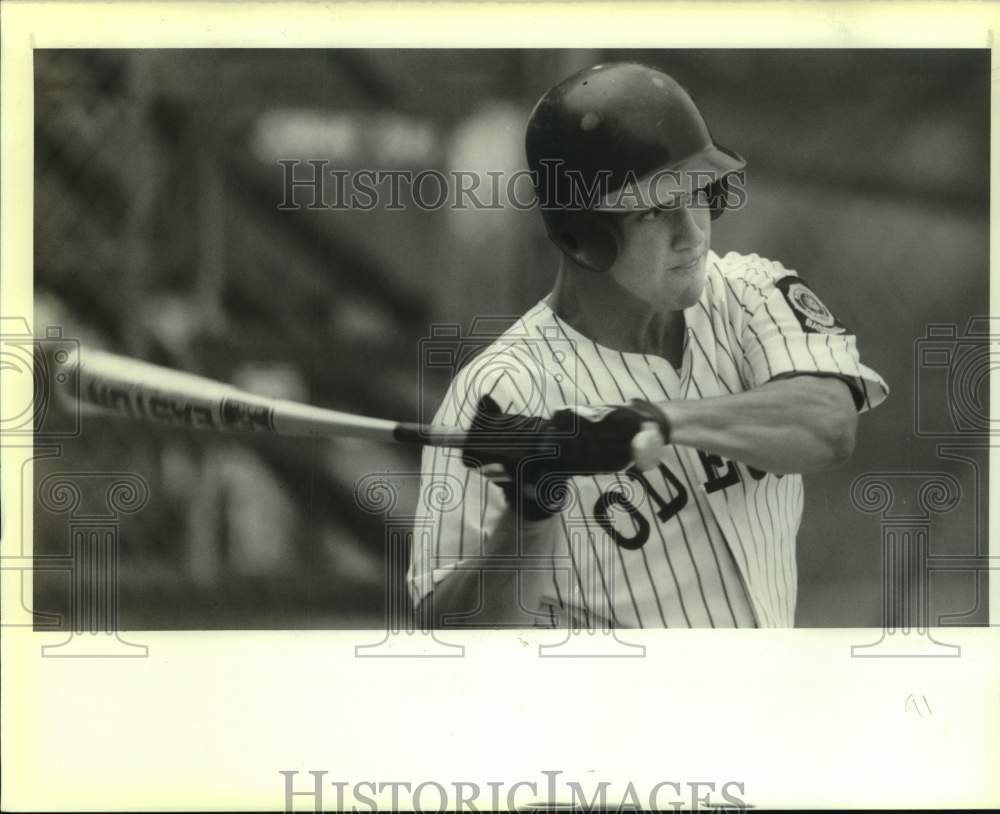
x=688, y=287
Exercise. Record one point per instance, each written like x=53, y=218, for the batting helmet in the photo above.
x=613, y=138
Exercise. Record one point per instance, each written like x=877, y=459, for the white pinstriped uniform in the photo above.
x=698, y=542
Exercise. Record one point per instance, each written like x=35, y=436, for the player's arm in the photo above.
x=802, y=423
x=805, y=381
x=485, y=588
x=476, y=568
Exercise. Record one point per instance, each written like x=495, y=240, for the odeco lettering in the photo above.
x=720, y=474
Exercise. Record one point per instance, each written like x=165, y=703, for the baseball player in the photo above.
x=735, y=361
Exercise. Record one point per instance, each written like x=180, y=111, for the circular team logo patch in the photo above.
x=809, y=308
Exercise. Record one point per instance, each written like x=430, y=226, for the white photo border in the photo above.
x=208, y=720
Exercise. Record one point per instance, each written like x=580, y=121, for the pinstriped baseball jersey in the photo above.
x=698, y=541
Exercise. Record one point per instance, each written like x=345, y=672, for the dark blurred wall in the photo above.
x=158, y=234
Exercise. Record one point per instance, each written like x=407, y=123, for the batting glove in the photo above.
x=537, y=456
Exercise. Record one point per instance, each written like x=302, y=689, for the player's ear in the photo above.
x=613, y=228
x=617, y=226
x=591, y=239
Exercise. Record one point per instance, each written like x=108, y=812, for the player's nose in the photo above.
x=686, y=233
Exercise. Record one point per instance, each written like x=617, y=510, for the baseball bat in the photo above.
x=118, y=385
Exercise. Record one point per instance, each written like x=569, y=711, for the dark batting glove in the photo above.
x=539, y=455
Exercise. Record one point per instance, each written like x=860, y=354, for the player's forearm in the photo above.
x=486, y=587
x=801, y=424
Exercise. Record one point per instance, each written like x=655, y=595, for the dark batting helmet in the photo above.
x=616, y=138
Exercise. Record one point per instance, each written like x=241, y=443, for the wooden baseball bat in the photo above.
x=117, y=385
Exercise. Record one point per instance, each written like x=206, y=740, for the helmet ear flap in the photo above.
x=589, y=239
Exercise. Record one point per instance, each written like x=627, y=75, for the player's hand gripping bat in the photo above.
x=537, y=456
x=121, y=386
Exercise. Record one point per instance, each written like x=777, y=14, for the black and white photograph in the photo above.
x=624, y=338
x=459, y=407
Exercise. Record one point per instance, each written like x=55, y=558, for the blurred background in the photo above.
x=158, y=234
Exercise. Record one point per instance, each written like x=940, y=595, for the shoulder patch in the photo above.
x=809, y=309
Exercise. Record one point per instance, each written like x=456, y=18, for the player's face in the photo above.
x=663, y=259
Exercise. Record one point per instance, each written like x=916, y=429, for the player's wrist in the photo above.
x=679, y=415
x=655, y=413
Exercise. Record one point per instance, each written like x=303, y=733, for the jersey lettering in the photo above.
x=718, y=480
x=615, y=498
x=665, y=509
